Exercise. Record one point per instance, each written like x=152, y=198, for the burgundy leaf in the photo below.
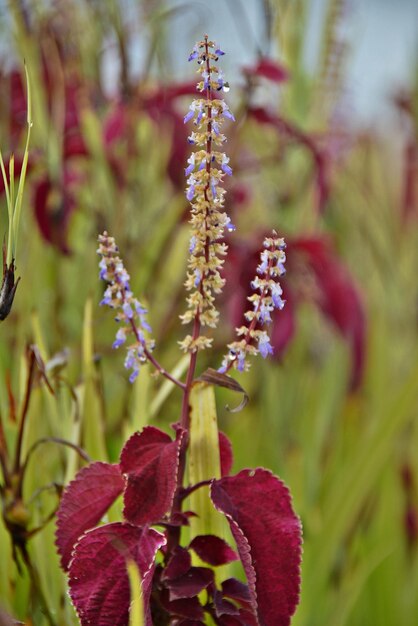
x=184, y=607
x=268, y=68
x=268, y=535
x=227, y=457
x=237, y=590
x=83, y=504
x=213, y=550
x=99, y=583
x=179, y=563
x=189, y=622
x=222, y=606
x=191, y=583
x=245, y=618
x=338, y=298
x=150, y=460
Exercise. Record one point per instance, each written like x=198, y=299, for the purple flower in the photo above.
x=230, y=227
x=200, y=114
x=265, y=312
x=225, y=166
x=120, y=338
x=189, y=115
x=198, y=277
x=276, y=293
x=264, y=345
x=241, y=361
x=107, y=297
x=262, y=268
x=191, y=190
x=226, y=112
x=194, y=54
x=213, y=183
x=219, y=52
x=192, y=245
x=127, y=309
x=189, y=169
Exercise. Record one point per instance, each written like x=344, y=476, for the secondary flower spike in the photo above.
x=130, y=312
x=254, y=340
x=205, y=172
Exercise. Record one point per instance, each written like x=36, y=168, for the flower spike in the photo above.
x=205, y=171
x=269, y=297
x=130, y=312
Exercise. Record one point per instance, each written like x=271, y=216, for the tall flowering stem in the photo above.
x=254, y=339
x=206, y=169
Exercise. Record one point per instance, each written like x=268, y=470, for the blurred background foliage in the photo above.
x=335, y=412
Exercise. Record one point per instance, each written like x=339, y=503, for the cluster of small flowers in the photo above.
x=130, y=312
x=269, y=297
x=206, y=169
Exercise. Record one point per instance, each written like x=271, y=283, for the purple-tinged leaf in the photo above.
x=268, y=536
x=222, y=606
x=227, y=457
x=99, y=583
x=189, y=622
x=191, y=583
x=83, y=504
x=236, y=590
x=150, y=461
x=245, y=618
x=213, y=550
x=189, y=608
x=179, y=564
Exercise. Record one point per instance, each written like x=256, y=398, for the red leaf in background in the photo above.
x=83, y=504
x=339, y=299
x=54, y=204
x=268, y=535
x=268, y=68
x=213, y=550
x=227, y=457
x=99, y=583
x=319, y=157
x=13, y=106
x=150, y=461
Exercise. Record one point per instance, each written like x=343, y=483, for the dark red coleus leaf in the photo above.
x=189, y=622
x=190, y=584
x=222, y=606
x=268, y=535
x=150, y=461
x=236, y=590
x=268, y=68
x=227, y=457
x=99, y=583
x=83, y=504
x=185, y=607
x=213, y=550
x=178, y=564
